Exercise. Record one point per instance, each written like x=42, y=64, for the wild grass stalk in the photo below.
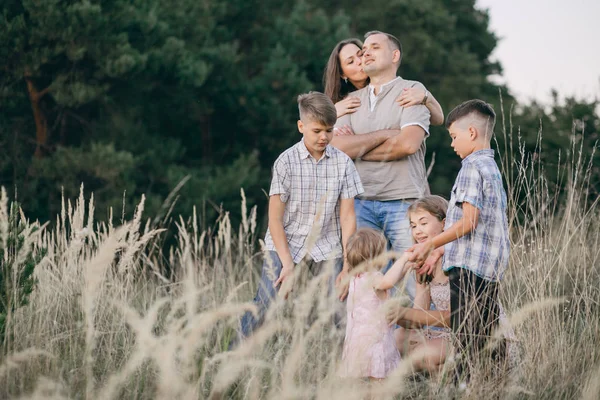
x=106, y=321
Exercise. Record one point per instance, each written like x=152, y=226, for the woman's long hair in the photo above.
x=335, y=87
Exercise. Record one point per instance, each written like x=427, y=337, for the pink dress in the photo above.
x=369, y=346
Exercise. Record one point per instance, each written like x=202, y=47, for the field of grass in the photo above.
x=115, y=315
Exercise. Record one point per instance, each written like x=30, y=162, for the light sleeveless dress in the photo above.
x=369, y=345
x=440, y=296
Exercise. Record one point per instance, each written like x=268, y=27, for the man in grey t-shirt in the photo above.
x=388, y=145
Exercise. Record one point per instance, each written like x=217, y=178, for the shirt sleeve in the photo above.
x=469, y=186
x=416, y=115
x=351, y=185
x=280, y=183
x=343, y=120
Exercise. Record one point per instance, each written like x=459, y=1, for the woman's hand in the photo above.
x=410, y=97
x=343, y=131
x=415, y=96
x=347, y=106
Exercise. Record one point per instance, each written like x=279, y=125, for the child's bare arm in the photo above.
x=462, y=227
x=394, y=275
x=276, y=212
x=428, y=266
x=348, y=224
x=412, y=318
x=422, y=299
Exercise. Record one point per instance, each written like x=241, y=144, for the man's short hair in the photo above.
x=394, y=41
x=476, y=107
x=315, y=106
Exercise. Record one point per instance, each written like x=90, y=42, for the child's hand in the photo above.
x=421, y=251
x=342, y=284
x=286, y=279
x=428, y=266
x=410, y=263
x=395, y=314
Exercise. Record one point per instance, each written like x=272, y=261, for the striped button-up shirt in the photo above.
x=485, y=250
x=311, y=190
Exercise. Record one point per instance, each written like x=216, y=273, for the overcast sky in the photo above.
x=547, y=44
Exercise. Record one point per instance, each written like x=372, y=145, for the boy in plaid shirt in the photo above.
x=312, y=190
x=475, y=237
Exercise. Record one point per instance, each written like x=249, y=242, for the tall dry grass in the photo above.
x=114, y=316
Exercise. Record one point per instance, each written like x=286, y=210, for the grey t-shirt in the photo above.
x=390, y=180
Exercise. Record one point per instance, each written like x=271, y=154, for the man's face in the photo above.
x=377, y=54
x=316, y=136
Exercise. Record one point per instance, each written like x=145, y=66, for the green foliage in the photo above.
x=105, y=171
x=564, y=133
x=138, y=95
x=219, y=188
x=18, y=259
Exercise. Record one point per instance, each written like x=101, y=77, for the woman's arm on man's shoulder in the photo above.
x=415, y=96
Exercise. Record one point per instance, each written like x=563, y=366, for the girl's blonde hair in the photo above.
x=434, y=205
x=364, y=245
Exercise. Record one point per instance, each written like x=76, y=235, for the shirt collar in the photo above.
x=372, y=88
x=479, y=154
x=304, y=153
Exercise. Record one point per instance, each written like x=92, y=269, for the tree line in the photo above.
x=134, y=97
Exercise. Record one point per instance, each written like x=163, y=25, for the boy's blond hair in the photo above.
x=315, y=106
x=364, y=245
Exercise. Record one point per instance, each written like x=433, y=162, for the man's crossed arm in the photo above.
x=382, y=145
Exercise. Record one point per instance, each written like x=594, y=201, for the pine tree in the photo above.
x=18, y=259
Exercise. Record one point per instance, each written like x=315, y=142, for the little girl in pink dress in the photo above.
x=369, y=346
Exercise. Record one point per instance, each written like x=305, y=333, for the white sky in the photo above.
x=546, y=44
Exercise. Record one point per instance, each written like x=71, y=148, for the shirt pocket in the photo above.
x=452, y=200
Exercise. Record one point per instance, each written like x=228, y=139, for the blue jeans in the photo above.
x=391, y=218
x=266, y=292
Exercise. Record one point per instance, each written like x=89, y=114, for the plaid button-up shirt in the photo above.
x=484, y=251
x=311, y=190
